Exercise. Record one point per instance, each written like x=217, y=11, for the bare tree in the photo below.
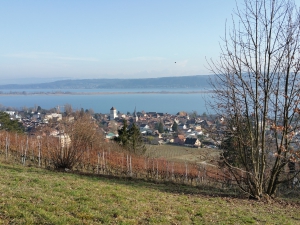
x=91, y=111
x=257, y=90
x=68, y=109
x=76, y=139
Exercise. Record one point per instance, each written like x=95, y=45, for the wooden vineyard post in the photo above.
x=16, y=142
x=167, y=172
x=98, y=161
x=153, y=172
x=25, y=153
x=186, y=172
x=6, y=147
x=127, y=164
x=122, y=169
x=172, y=176
x=103, y=162
x=224, y=180
x=145, y=160
x=130, y=166
x=32, y=150
x=204, y=175
x=198, y=177
x=39, y=157
x=22, y=154
x=156, y=169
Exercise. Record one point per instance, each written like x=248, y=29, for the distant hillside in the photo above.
x=199, y=81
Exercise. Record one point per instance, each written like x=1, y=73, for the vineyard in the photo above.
x=182, y=153
x=162, y=164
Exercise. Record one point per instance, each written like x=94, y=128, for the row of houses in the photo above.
x=187, y=133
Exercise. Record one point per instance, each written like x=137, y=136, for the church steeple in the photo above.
x=135, y=117
x=113, y=113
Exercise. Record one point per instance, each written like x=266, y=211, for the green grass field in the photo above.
x=38, y=196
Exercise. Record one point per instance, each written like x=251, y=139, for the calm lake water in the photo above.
x=101, y=103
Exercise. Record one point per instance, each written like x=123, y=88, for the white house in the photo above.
x=11, y=113
x=56, y=116
x=144, y=127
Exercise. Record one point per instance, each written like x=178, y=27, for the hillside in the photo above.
x=37, y=196
x=200, y=81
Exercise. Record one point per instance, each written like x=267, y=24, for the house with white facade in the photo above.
x=56, y=116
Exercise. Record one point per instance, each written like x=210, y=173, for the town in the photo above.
x=186, y=129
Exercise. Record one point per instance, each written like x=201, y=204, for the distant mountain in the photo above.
x=198, y=81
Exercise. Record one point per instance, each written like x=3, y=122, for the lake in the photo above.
x=161, y=100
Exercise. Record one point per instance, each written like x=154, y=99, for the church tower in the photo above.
x=135, y=117
x=113, y=113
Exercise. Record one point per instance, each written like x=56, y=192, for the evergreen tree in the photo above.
x=8, y=124
x=123, y=138
x=175, y=127
x=131, y=139
x=136, y=141
x=160, y=128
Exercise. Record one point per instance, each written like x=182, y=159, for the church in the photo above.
x=113, y=113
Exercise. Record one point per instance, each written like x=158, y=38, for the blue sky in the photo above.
x=109, y=39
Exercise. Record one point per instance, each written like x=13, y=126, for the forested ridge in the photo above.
x=199, y=81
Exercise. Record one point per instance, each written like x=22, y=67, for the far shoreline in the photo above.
x=101, y=93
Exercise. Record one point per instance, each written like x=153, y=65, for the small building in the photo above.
x=192, y=142
x=11, y=113
x=144, y=127
x=180, y=140
x=55, y=116
x=182, y=127
x=111, y=135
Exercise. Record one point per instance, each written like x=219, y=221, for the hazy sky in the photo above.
x=109, y=39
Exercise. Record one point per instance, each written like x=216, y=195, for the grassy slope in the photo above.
x=37, y=196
